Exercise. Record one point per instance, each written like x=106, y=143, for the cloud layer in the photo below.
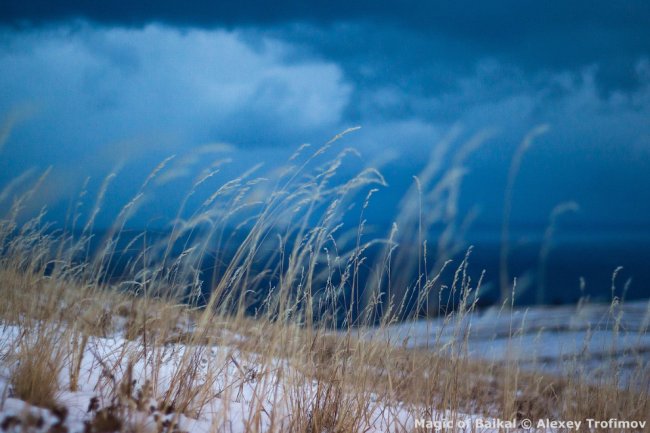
x=103, y=94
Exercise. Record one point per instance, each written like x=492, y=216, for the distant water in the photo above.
x=580, y=262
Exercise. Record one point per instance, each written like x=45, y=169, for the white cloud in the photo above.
x=104, y=96
x=98, y=86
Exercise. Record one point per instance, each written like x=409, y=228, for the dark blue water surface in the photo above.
x=579, y=262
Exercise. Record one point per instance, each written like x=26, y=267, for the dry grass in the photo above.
x=37, y=363
x=282, y=280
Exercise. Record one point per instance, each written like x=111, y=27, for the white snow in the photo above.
x=244, y=383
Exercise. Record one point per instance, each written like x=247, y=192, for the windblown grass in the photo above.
x=300, y=329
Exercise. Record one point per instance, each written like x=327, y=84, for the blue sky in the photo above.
x=97, y=86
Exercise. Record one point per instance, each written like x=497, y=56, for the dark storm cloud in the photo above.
x=267, y=76
x=411, y=34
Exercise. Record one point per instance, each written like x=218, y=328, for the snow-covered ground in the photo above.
x=241, y=389
x=240, y=384
x=596, y=337
x=237, y=386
